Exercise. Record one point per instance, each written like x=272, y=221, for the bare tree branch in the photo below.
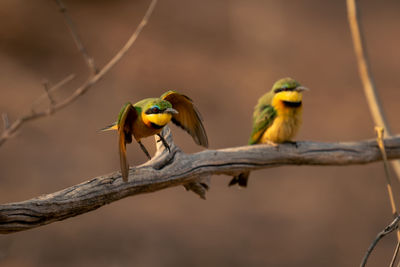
x=395, y=253
x=47, y=87
x=6, y=122
x=380, y=134
x=70, y=24
x=52, y=89
x=377, y=113
x=367, y=80
x=177, y=168
x=388, y=229
x=93, y=79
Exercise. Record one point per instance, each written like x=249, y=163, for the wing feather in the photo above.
x=263, y=118
x=126, y=118
x=188, y=117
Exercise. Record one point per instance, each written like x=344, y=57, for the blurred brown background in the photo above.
x=224, y=55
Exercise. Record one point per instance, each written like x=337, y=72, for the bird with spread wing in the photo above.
x=147, y=118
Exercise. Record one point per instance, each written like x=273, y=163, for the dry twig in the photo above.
x=177, y=168
x=380, y=131
x=388, y=229
x=367, y=80
x=395, y=253
x=93, y=79
x=70, y=24
x=51, y=89
x=47, y=87
x=6, y=122
x=374, y=103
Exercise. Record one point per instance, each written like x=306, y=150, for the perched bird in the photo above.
x=147, y=118
x=276, y=118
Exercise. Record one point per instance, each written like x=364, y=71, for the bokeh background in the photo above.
x=224, y=55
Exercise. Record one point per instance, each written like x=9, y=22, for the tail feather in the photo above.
x=240, y=179
x=111, y=127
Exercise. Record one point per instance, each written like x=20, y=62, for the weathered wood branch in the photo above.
x=174, y=168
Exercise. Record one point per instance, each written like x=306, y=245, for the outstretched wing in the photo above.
x=188, y=116
x=263, y=118
x=126, y=118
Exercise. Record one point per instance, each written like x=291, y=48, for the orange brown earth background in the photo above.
x=224, y=55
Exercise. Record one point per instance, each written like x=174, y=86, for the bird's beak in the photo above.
x=171, y=111
x=302, y=88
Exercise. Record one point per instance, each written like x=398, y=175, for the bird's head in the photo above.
x=288, y=91
x=157, y=113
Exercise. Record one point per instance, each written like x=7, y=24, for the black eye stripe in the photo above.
x=283, y=89
x=153, y=110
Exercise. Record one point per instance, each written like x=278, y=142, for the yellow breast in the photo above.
x=288, y=120
x=146, y=126
x=160, y=119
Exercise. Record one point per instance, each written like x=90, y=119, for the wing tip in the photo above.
x=110, y=127
x=203, y=141
x=202, y=135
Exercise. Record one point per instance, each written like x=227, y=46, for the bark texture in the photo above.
x=174, y=168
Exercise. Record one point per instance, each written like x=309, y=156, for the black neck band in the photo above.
x=156, y=126
x=291, y=104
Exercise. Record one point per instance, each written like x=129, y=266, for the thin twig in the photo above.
x=367, y=80
x=6, y=122
x=47, y=88
x=52, y=89
x=130, y=41
x=388, y=229
x=93, y=79
x=380, y=134
x=395, y=253
x=70, y=24
x=172, y=168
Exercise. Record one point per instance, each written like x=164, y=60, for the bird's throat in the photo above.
x=156, y=121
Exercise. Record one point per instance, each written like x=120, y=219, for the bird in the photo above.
x=149, y=116
x=276, y=119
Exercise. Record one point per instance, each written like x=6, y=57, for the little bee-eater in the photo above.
x=276, y=118
x=147, y=118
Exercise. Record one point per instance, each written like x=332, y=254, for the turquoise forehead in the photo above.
x=285, y=83
x=161, y=104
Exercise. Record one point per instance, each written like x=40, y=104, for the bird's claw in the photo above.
x=164, y=142
x=144, y=150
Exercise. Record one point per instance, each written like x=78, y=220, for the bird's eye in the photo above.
x=153, y=110
x=278, y=90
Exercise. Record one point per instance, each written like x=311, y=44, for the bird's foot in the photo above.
x=164, y=142
x=271, y=143
x=144, y=150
